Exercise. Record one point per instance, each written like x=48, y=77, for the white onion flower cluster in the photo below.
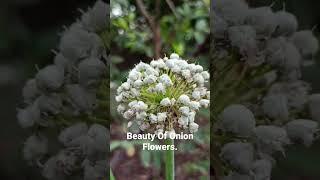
x=164, y=95
x=63, y=94
x=283, y=112
x=263, y=36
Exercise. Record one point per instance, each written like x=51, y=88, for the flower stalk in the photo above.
x=169, y=160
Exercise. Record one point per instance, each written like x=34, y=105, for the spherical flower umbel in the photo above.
x=168, y=92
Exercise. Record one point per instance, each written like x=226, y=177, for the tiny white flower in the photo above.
x=134, y=92
x=204, y=103
x=238, y=119
x=125, y=86
x=194, y=105
x=186, y=74
x=184, y=110
x=183, y=121
x=165, y=102
x=196, y=95
x=239, y=155
x=137, y=83
x=153, y=118
x=141, y=106
x=35, y=147
x=134, y=75
x=119, y=98
x=193, y=127
x=160, y=88
x=162, y=116
x=174, y=56
x=191, y=116
x=198, y=68
x=271, y=138
x=150, y=79
x=129, y=124
x=165, y=79
x=303, y=130
x=141, y=115
x=28, y=116
x=50, y=78
x=198, y=79
x=205, y=75
x=128, y=114
x=184, y=99
x=262, y=169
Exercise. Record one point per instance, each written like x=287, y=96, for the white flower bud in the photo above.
x=271, y=138
x=137, y=83
x=150, y=79
x=90, y=71
x=28, y=116
x=165, y=102
x=141, y=115
x=184, y=99
x=174, y=56
x=302, y=130
x=276, y=106
x=162, y=116
x=191, y=116
x=121, y=108
x=186, y=74
x=69, y=134
x=239, y=155
x=193, y=127
x=119, y=98
x=35, y=147
x=183, y=121
x=134, y=75
x=125, y=86
x=205, y=75
x=153, y=118
x=286, y=23
x=184, y=110
x=165, y=79
x=198, y=79
x=262, y=169
x=128, y=114
x=306, y=42
x=50, y=78
x=194, y=105
x=238, y=119
x=196, y=95
x=160, y=88
x=86, y=103
x=204, y=103
x=30, y=91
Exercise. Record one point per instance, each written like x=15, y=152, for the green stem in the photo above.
x=111, y=175
x=169, y=160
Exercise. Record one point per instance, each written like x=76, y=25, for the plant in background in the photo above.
x=163, y=97
x=68, y=100
x=261, y=103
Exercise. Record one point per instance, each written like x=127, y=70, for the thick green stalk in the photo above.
x=169, y=160
x=111, y=175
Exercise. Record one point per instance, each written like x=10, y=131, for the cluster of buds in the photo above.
x=65, y=93
x=164, y=95
x=276, y=109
